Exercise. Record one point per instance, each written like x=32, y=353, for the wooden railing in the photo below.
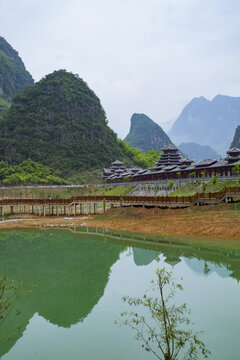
x=216, y=196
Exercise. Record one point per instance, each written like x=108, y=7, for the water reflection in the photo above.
x=71, y=274
x=201, y=260
x=72, y=268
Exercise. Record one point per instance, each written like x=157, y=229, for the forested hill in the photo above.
x=13, y=75
x=59, y=122
x=4, y=106
x=145, y=134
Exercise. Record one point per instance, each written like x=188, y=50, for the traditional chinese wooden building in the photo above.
x=171, y=165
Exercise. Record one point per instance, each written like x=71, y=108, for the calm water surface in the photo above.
x=80, y=279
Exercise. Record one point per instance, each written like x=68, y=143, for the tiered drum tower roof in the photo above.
x=171, y=165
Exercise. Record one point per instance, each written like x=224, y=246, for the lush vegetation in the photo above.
x=4, y=106
x=13, y=75
x=60, y=122
x=145, y=134
x=214, y=185
x=28, y=172
x=110, y=190
x=145, y=160
x=68, y=192
x=91, y=176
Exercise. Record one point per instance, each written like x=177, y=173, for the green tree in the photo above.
x=236, y=169
x=215, y=179
x=179, y=177
x=149, y=186
x=192, y=174
x=170, y=184
x=203, y=175
x=167, y=331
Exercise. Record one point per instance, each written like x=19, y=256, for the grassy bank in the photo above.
x=64, y=192
x=204, y=186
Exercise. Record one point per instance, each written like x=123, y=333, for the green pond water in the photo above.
x=81, y=277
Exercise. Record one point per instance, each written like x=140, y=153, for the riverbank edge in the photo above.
x=107, y=223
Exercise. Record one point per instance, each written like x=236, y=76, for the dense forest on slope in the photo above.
x=60, y=122
x=28, y=173
x=4, y=106
x=145, y=134
x=13, y=75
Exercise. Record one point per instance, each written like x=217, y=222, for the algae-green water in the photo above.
x=78, y=279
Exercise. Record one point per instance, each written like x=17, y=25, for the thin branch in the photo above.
x=145, y=341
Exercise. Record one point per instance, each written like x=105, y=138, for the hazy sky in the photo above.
x=144, y=56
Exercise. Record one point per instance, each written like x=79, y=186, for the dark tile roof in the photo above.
x=233, y=150
x=206, y=162
x=117, y=162
x=219, y=163
x=170, y=147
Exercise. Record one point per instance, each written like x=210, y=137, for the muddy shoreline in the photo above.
x=219, y=222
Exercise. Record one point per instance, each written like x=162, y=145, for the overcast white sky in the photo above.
x=144, y=56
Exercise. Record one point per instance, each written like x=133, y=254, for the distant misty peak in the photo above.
x=208, y=122
x=198, y=152
x=225, y=98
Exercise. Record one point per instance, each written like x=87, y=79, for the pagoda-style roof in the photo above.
x=142, y=171
x=206, y=162
x=233, y=155
x=155, y=167
x=135, y=169
x=233, y=151
x=169, y=159
x=219, y=163
x=186, y=161
x=170, y=147
x=170, y=167
x=117, y=162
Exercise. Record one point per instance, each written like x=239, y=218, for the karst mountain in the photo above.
x=208, y=122
x=59, y=122
x=13, y=75
x=145, y=134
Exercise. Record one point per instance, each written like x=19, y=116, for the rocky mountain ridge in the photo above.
x=145, y=134
x=236, y=139
x=208, y=122
x=13, y=75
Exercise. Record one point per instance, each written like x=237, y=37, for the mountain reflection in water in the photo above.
x=71, y=269
x=70, y=272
